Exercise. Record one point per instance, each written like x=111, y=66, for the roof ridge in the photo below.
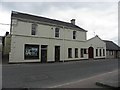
x=15, y=12
x=108, y=40
x=45, y=19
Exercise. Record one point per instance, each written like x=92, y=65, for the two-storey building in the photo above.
x=40, y=39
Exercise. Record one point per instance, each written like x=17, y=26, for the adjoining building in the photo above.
x=112, y=50
x=39, y=39
x=6, y=44
x=6, y=41
x=0, y=43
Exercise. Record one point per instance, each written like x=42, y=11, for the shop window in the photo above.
x=31, y=51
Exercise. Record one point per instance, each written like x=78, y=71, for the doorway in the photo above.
x=57, y=53
x=43, y=53
x=91, y=52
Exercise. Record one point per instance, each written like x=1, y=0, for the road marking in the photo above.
x=83, y=79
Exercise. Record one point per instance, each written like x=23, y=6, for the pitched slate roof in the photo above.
x=111, y=45
x=44, y=19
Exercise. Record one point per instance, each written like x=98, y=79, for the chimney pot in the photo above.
x=73, y=21
x=6, y=33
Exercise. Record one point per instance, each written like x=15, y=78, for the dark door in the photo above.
x=90, y=52
x=57, y=53
x=43, y=53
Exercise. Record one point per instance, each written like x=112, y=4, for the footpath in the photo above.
x=105, y=80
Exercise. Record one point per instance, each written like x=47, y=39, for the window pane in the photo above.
x=69, y=52
x=34, y=28
x=76, y=52
x=81, y=52
x=31, y=51
x=100, y=52
x=96, y=52
x=74, y=34
x=33, y=32
x=85, y=51
x=103, y=52
x=56, y=32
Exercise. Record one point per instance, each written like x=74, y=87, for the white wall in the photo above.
x=24, y=28
x=18, y=42
x=97, y=43
x=21, y=35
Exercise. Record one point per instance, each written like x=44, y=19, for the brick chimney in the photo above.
x=6, y=33
x=73, y=21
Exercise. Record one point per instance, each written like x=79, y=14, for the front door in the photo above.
x=57, y=53
x=91, y=52
x=43, y=53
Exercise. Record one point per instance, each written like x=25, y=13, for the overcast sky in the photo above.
x=98, y=18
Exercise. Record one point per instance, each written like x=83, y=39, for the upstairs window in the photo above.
x=34, y=29
x=74, y=34
x=57, y=32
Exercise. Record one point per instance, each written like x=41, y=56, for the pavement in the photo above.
x=106, y=80
x=109, y=80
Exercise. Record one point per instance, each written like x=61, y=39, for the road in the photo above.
x=37, y=75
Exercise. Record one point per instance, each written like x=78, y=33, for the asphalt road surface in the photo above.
x=37, y=75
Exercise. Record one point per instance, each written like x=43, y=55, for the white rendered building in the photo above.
x=40, y=39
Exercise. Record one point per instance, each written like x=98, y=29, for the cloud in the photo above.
x=100, y=18
x=4, y=19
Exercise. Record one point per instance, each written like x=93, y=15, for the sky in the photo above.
x=97, y=17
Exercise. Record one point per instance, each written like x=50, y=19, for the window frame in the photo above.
x=96, y=52
x=82, y=52
x=103, y=52
x=69, y=52
x=100, y=52
x=74, y=34
x=34, y=29
x=85, y=51
x=57, y=32
x=76, y=52
x=28, y=48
